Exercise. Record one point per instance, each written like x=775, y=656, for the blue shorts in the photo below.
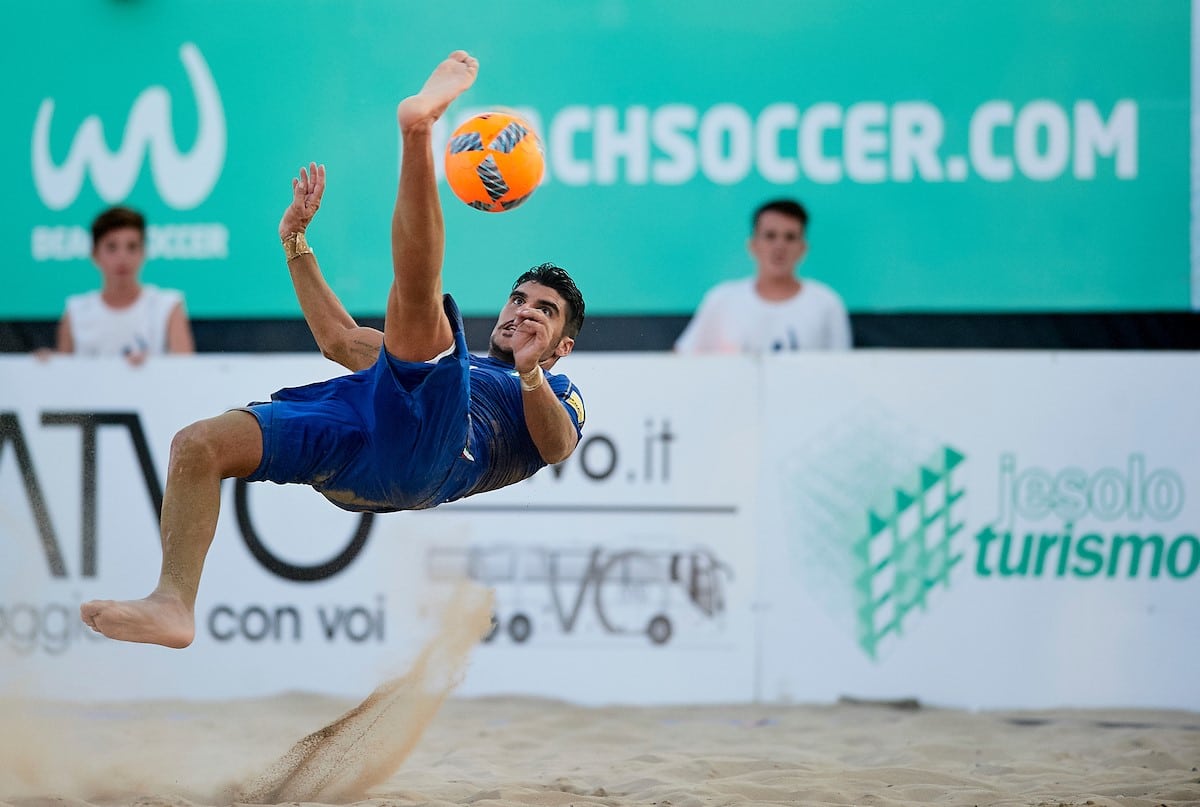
x=383, y=439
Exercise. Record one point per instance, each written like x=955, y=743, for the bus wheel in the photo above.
x=659, y=630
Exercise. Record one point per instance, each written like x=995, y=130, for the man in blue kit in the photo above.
x=419, y=422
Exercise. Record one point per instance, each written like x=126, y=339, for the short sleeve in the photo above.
x=571, y=398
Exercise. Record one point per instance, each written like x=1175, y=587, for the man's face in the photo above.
x=778, y=244
x=542, y=298
x=119, y=254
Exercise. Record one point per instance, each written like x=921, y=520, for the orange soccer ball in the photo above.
x=494, y=161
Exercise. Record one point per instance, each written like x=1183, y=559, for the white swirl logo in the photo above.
x=183, y=180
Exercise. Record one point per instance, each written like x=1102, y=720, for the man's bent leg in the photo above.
x=416, y=328
x=201, y=456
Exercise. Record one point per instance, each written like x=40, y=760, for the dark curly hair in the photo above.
x=555, y=277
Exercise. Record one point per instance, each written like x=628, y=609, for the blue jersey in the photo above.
x=406, y=435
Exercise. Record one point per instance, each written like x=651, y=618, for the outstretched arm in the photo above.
x=339, y=337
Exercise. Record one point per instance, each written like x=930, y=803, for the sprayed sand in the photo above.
x=341, y=761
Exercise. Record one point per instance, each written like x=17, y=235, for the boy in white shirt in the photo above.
x=776, y=310
x=124, y=317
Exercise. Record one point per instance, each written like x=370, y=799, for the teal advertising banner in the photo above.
x=1026, y=156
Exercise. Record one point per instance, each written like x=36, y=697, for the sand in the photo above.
x=515, y=751
x=411, y=743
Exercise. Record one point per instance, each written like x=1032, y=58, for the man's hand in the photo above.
x=307, y=190
x=531, y=339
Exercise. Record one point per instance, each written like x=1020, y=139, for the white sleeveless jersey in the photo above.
x=98, y=330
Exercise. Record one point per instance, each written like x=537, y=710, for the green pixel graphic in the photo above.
x=870, y=509
x=907, y=552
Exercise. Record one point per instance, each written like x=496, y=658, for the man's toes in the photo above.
x=88, y=613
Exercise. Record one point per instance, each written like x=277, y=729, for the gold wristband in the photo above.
x=528, y=385
x=294, y=244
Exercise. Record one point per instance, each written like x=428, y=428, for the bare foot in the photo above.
x=448, y=81
x=158, y=619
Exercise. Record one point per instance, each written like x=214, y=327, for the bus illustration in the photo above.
x=629, y=591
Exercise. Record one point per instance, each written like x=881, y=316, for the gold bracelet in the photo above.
x=528, y=386
x=294, y=245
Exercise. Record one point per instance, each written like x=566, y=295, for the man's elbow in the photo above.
x=341, y=350
x=555, y=454
x=332, y=349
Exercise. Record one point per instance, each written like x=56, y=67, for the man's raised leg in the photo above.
x=201, y=456
x=416, y=328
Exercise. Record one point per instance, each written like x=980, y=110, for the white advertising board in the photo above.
x=984, y=530
x=620, y=575
x=979, y=530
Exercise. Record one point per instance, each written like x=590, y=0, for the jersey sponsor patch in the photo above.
x=574, y=401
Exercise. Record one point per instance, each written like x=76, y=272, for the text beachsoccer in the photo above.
x=163, y=242
x=865, y=142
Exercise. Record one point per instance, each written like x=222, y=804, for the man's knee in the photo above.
x=194, y=447
x=224, y=444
